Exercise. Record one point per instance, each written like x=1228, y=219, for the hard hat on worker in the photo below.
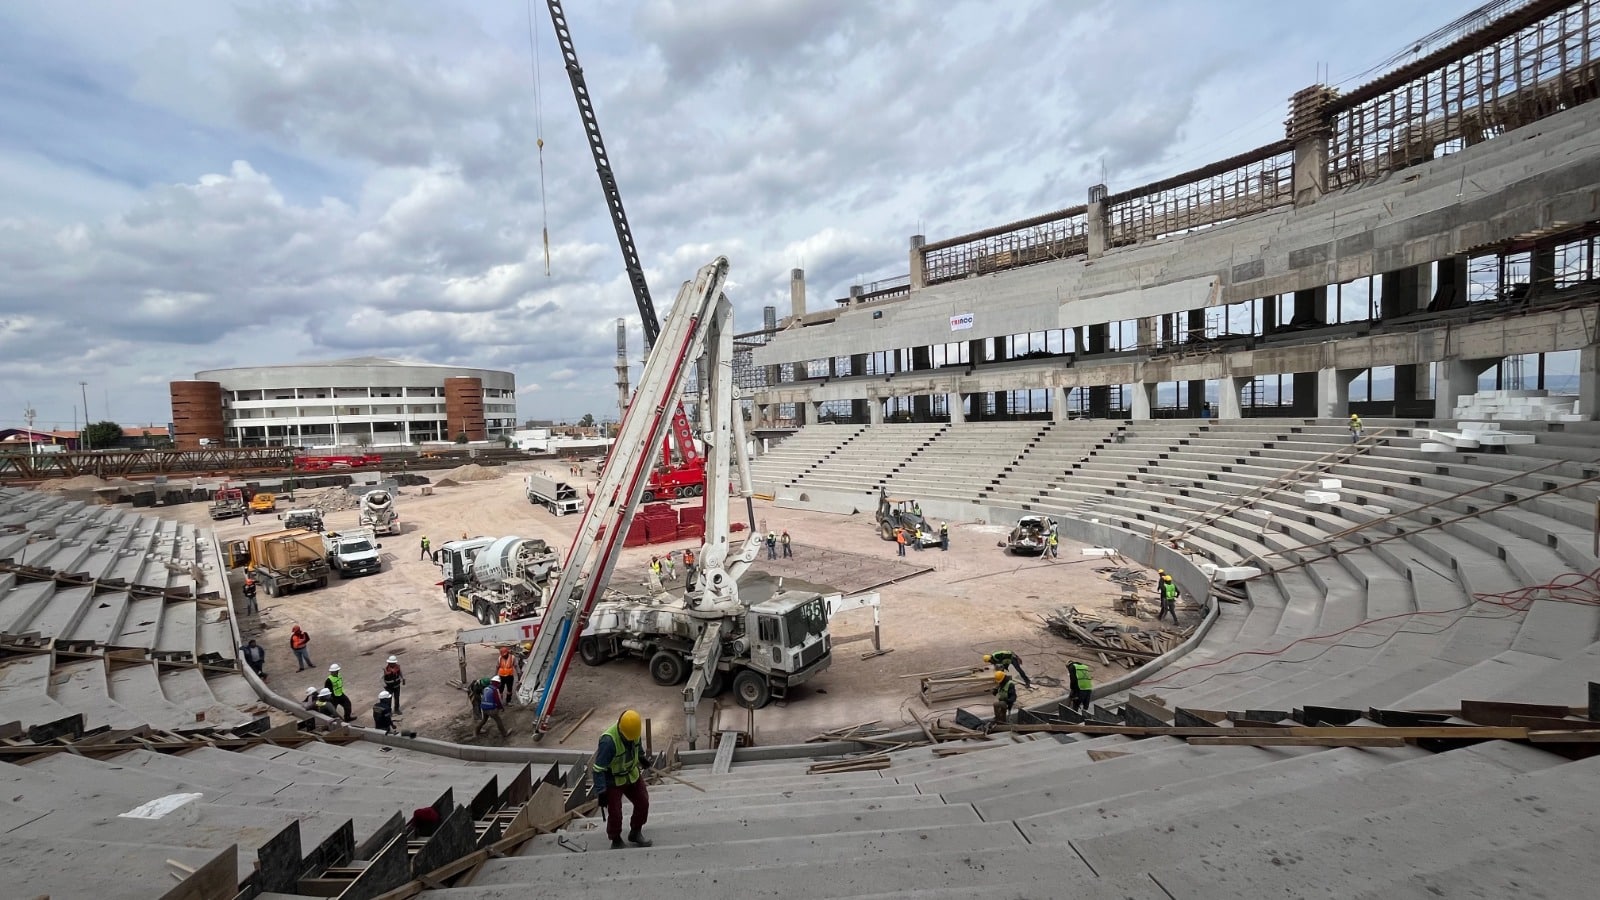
x=999, y=676
x=325, y=692
x=987, y=657
x=495, y=679
x=334, y=667
x=630, y=724
x=393, y=659
x=384, y=695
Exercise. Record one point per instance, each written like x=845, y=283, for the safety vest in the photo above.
x=424, y=543
x=1002, y=657
x=944, y=530
x=1169, y=590
x=785, y=537
x=625, y=766
x=336, y=684
x=1079, y=673
x=655, y=566
x=299, y=639
x=1355, y=424
x=688, y=557
x=508, y=666
x=1006, y=691
x=1053, y=539
x=899, y=535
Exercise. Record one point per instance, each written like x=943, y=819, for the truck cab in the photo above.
x=352, y=553
x=789, y=645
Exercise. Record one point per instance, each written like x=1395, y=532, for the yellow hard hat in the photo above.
x=630, y=725
x=999, y=676
x=986, y=657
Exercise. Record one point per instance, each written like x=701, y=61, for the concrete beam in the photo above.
x=1228, y=404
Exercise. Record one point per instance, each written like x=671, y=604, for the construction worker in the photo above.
x=300, y=643
x=507, y=669
x=393, y=678
x=475, y=693
x=772, y=545
x=383, y=713
x=426, y=550
x=916, y=538
x=1161, y=575
x=1080, y=683
x=1053, y=543
x=619, y=764
x=1005, y=697
x=321, y=701
x=900, y=539
x=335, y=684
x=1169, y=599
x=670, y=563
x=489, y=706
x=788, y=549
x=688, y=568
x=654, y=581
x=250, y=608
x=944, y=535
x=1004, y=660
x=244, y=515
x=1355, y=428
x=256, y=657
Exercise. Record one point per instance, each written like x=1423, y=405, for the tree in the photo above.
x=587, y=421
x=462, y=438
x=101, y=435
x=363, y=441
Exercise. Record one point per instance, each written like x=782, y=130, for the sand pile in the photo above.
x=468, y=472
x=328, y=499
x=77, y=483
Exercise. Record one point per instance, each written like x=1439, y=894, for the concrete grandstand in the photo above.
x=1405, y=588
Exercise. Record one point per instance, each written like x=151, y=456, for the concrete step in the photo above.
x=688, y=814
x=1003, y=776
x=798, y=791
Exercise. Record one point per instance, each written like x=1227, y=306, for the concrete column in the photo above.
x=797, y=292
x=1333, y=392
x=1145, y=331
x=1096, y=220
x=1453, y=283
x=1307, y=127
x=813, y=412
x=1058, y=404
x=997, y=349
x=958, y=415
x=1000, y=404
x=800, y=417
x=875, y=410
x=1589, y=382
x=1143, y=397
x=758, y=415
x=859, y=411
x=1100, y=338
x=856, y=294
x=1228, y=388
x=919, y=267
x=1310, y=307
x=1456, y=378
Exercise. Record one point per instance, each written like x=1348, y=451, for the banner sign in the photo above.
x=961, y=322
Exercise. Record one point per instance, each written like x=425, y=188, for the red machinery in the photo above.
x=325, y=463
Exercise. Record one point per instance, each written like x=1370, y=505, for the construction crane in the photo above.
x=710, y=636
x=685, y=475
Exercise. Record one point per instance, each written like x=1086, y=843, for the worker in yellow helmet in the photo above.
x=1005, y=697
x=619, y=765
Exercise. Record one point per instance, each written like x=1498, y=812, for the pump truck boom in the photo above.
x=763, y=649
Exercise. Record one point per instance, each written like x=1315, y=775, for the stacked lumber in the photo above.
x=939, y=688
x=1111, y=643
x=936, y=734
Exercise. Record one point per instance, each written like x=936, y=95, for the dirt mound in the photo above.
x=445, y=482
x=328, y=499
x=76, y=483
x=471, y=472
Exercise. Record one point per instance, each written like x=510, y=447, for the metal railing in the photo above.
x=1052, y=236
x=1233, y=188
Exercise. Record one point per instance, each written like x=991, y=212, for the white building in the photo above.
x=346, y=402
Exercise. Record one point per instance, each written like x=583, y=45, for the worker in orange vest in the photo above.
x=688, y=569
x=507, y=671
x=900, y=540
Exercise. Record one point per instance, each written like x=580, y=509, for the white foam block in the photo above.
x=1435, y=447
x=1099, y=551
x=1321, y=497
x=1505, y=438
x=1330, y=484
x=1234, y=574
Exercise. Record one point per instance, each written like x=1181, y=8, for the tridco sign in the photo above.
x=961, y=322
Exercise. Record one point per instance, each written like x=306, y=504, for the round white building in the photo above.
x=343, y=403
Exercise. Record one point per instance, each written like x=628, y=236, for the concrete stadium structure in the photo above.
x=1448, y=590
x=342, y=403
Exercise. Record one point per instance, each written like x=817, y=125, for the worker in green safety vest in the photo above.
x=1169, y=599
x=619, y=764
x=1004, y=660
x=1080, y=682
x=1005, y=697
x=335, y=684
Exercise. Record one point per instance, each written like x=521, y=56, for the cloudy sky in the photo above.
x=188, y=184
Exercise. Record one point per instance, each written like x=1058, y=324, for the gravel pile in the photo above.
x=469, y=472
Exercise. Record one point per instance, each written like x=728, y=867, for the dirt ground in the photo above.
x=947, y=610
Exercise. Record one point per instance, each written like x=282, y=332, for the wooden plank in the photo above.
x=1489, y=712
x=1541, y=723
x=581, y=719
x=1275, y=741
x=1458, y=732
x=1565, y=737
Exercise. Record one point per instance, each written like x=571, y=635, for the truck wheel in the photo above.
x=886, y=532
x=717, y=685
x=697, y=490
x=750, y=689
x=667, y=668
x=271, y=588
x=680, y=492
x=449, y=601
x=484, y=616
x=323, y=581
x=649, y=496
x=589, y=651
x=341, y=574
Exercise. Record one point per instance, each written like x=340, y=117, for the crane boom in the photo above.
x=608, y=180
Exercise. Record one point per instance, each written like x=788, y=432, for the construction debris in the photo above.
x=1131, y=647
x=938, y=688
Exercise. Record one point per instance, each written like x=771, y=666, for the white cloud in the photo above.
x=195, y=185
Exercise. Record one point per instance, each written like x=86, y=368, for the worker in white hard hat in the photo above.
x=383, y=713
x=490, y=703
x=619, y=764
x=321, y=701
x=393, y=678
x=335, y=685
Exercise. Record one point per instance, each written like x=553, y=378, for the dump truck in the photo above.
x=558, y=497
x=228, y=503
x=378, y=512
x=288, y=560
x=352, y=552
x=263, y=502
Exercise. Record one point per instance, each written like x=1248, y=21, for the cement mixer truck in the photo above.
x=496, y=579
x=378, y=512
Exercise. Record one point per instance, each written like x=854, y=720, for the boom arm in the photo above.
x=598, y=543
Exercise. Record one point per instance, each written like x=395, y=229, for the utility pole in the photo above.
x=28, y=415
x=83, y=436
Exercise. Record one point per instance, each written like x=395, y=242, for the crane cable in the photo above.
x=538, y=126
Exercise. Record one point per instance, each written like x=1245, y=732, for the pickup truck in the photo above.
x=353, y=552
